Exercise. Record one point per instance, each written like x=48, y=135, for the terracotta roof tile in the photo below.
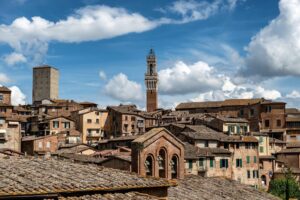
x=24, y=176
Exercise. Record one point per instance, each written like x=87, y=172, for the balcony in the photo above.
x=202, y=169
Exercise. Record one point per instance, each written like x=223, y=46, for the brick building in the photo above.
x=125, y=120
x=32, y=145
x=262, y=115
x=158, y=153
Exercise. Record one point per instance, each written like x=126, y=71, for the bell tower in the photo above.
x=151, y=80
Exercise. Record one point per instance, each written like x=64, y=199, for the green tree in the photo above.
x=286, y=187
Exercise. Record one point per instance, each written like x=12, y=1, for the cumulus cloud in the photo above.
x=184, y=79
x=86, y=24
x=14, y=58
x=120, y=88
x=17, y=96
x=4, y=78
x=274, y=51
x=102, y=75
x=293, y=95
x=230, y=90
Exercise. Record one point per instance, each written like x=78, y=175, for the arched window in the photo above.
x=149, y=165
x=151, y=69
x=162, y=163
x=174, y=167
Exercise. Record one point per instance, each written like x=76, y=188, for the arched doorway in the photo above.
x=174, y=167
x=162, y=167
x=263, y=180
x=149, y=165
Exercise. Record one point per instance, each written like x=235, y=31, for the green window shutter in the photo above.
x=254, y=159
x=237, y=162
x=211, y=163
x=241, y=161
x=261, y=149
x=221, y=163
x=226, y=163
x=248, y=159
x=190, y=164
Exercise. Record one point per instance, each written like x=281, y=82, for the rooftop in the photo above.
x=113, y=196
x=216, y=104
x=59, y=177
x=4, y=89
x=197, y=187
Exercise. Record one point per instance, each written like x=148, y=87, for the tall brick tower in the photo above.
x=151, y=80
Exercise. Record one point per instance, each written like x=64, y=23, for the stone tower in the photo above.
x=151, y=80
x=45, y=83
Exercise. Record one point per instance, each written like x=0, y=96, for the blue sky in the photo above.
x=206, y=50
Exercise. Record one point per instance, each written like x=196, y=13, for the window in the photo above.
x=241, y=112
x=226, y=146
x=251, y=112
x=255, y=173
x=254, y=159
x=239, y=163
x=67, y=125
x=89, y=121
x=278, y=122
x=267, y=123
x=211, y=162
x=132, y=119
x=97, y=121
x=260, y=139
x=190, y=164
x=48, y=145
x=2, y=109
x=238, y=129
x=268, y=109
x=201, y=162
x=1, y=97
x=248, y=159
x=224, y=163
x=126, y=117
x=231, y=129
x=125, y=127
x=248, y=145
x=97, y=131
x=55, y=124
x=206, y=143
x=248, y=174
x=237, y=146
x=261, y=149
x=245, y=129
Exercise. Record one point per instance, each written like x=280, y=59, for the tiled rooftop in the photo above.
x=113, y=196
x=24, y=176
x=197, y=187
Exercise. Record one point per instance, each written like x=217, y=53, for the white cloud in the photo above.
x=17, y=96
x=191, y=10
x=293, y=95
x=184, y=79
x=31, y=36
x=120, y=88
x=274, y=51
x=4, y=78
x=102, y=75
x=14, y=58
x=244, y=91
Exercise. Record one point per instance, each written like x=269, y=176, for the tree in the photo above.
x=286, y=187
